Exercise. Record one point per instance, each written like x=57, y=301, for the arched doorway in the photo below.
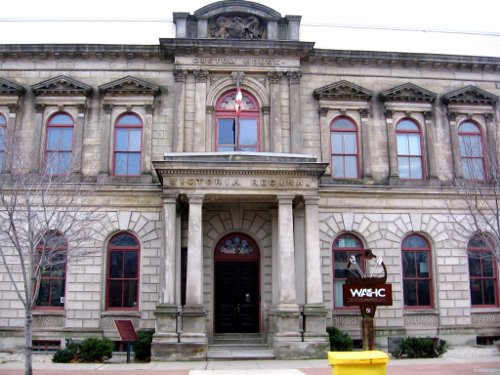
x=237, y=291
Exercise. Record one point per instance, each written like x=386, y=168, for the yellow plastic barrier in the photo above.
x=368, y=362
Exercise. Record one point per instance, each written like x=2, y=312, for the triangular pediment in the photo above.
x=61, y=85
x=129, y=86
x=408, y=92
x=10, y=88
x=343, y=90
x=470, y=95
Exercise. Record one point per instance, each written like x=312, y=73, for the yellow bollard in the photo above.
x=368, y=362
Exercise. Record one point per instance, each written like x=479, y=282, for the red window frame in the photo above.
x=225, y=109
x=3, y=135
x=49, y=277
x=122, y=280
x=337, y=248
x=122, y=124
x=406, y=133
x=464, y=158
x=477, y=253
x=336, y=128
x=58, y=153
x=407, y=248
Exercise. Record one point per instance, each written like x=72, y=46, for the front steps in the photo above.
x=239, y=346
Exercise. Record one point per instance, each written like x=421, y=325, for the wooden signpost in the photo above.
x=367, y=293
x=127, y=334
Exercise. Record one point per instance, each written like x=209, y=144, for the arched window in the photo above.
x=237, y=133
x=59, y=144
x=344, y=143
x=123, y=272
x=128, y=145
x=482, y=272
x=409, y=146
x=417, y=272
x=471, y=151
x=344, y=247
x=3, y=133
x=51, y=258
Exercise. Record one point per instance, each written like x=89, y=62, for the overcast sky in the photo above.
x=434, y=26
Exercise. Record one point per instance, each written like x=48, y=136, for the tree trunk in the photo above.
x=28, y=336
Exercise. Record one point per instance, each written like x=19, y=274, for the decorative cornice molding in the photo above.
x=61, y=85
x=343, y=90
x=470, y=95
x=129, y=86
x=10, y=88
x=407, y=92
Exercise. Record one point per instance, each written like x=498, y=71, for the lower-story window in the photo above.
x=123, y=272
x=482, y=272
x=417, y=275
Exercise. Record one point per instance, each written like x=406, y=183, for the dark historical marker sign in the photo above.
x=126, y=330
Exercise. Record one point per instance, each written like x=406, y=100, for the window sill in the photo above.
x=133, y=313
x=49, y=312
x=420, y=310
x=484, y=309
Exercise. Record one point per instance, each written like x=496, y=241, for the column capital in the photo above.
x=311, y=199
x=180, y=75
x=169, y=198
x=285, y=198
x=274, y=77
x=195, y=198
x=200, y=76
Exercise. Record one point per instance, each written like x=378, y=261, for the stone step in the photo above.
x=239, y=353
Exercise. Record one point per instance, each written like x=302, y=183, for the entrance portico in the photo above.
x=271, y=202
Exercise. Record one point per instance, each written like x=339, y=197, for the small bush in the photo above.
x=142, y=347
x=339, y=341
x=68, y=354
x=95, y=350
x=89, y=350
x=417, y=347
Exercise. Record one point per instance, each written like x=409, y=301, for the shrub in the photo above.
x=96, y=350
x=339, y=341
x=417, y=347
x=142, y=347
x=68, y=354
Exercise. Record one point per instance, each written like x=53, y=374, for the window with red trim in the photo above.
x=344, y=143
x=233, y=133
x=417, y=272
x=482, y=272
x=128, y=145
x=59, y=144
x=409, y=148
x=345, y=246
x=3, y=133
x=51, y=258
x=471, y=151
x=123, y=272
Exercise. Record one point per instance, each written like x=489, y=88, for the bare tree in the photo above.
x=475, y=209
x=46, y=221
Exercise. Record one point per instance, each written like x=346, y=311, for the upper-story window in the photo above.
x=3, y=134
x=51, y=256
x=344, y=143
x=482, y=272
x=233, y=132
x=59, y=143
x=345, y=246
x=128, y=145
x=471, y=151
x=123, y=272
x=409, y=146
x=417, y=273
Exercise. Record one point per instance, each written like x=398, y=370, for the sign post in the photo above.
x=367, y=293
x=127, y=334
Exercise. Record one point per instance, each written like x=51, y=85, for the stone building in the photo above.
x=245, y=167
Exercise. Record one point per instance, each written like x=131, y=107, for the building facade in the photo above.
x=241, y=168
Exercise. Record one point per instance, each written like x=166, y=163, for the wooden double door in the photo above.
x=237, y=298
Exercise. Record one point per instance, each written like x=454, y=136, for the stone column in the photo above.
x=325, y=138
x=200, y=113
x=365, y=132
x=78, y=139
x=166, y=336
x=38, y=148
x=275, y=99
x=430, y=145
x=265, y=138
x=295, y=119
x=179, y=110
x=193, y=314
x=10, y=139
x=148, y=139
x=314, y=309
x=391, y=135
x=287, y=335
x=105, y=141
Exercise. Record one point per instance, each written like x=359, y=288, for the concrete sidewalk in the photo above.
x=461, y=361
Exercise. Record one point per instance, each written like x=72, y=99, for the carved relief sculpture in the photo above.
x=236, y=27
